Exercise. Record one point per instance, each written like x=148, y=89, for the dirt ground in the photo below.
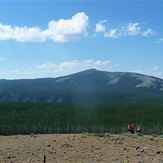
x=81, y=148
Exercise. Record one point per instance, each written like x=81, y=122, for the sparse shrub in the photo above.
x=152, y=139
x=107, y=135
x=155, y=135
x=99, y=134
x=119, y=140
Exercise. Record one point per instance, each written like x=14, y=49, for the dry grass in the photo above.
x=78, y=148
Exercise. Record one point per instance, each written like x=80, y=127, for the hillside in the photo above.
x=87, y=86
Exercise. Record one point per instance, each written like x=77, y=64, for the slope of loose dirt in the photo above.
x=78, y=148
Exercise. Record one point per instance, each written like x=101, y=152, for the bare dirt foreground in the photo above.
x=78, y=148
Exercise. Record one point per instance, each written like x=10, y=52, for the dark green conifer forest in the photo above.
x=39, y=118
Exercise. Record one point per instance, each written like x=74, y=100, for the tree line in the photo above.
x=49, y=118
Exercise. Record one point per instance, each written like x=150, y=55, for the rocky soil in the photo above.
x=81, y=148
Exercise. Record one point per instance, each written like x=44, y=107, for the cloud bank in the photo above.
x=129, y=29
x=76, y=66
x=50, y=69
x=58, y=31
x=66, y=30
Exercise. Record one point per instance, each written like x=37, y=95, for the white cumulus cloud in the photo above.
x=22, y=34
x=58, y=31
x=67, y=30
x=113, y=33
x=148, y=32
x=100, y=27
x=129, y=29
x=132, y=29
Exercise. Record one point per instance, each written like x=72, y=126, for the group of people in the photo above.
x=131, y=128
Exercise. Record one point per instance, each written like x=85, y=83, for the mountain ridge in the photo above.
x=86, y=86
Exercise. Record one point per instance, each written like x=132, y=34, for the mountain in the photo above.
x=84, y=87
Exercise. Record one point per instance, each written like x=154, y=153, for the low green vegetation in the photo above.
x=27, y=118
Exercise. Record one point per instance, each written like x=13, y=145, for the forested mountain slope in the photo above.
x=87, y=86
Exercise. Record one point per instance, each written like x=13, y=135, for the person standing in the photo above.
x=132, y=129
x=138, y=128
x=129, y=128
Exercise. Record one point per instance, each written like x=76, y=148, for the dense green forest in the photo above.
x=27, y=118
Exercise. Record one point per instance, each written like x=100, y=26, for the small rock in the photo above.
x=66, y=145
x=138, y=154
x=146, y=148
x=141, y=150
x=158, y=151
x=151, y=154
x=8, y=157
x=137, y=147
x=65, y=158
x=97, y=148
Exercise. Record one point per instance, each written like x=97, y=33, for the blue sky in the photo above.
x=55, y=38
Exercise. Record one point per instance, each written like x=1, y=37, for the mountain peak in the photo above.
x=86, y=86
x=91, y=70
